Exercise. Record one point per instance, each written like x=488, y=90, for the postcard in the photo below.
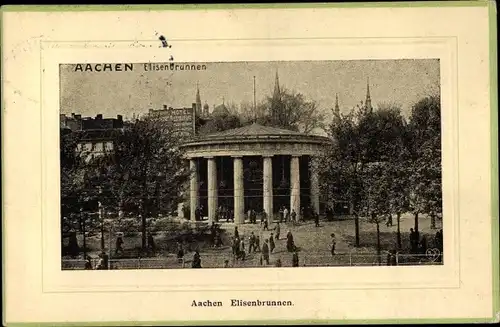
x=161, y=172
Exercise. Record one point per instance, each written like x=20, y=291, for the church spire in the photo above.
x=276, y=104
x=198, y=100
x=277, y=92
x=368, y=101
x=337, y=109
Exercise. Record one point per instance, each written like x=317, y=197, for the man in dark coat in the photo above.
x=196, y=260
x=88, y=263
x=289, y=242
x=119, y=243
x=334, y=242
x=316, y=218
x=251, y=243
x=295, y=259
x=265, y=252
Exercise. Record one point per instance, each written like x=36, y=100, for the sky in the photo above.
x=401, y=82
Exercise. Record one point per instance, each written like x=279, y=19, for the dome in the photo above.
x=205, y=106
x=220, y=110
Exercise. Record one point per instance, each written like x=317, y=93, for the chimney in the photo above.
x=78, y=117
x=164, y=107
x=120, y=117
x=73, y=114
x=99, y=116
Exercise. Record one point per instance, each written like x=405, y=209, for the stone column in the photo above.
x=239, y=199
x=193, y=188
x=295, y=185
x=268, y=187
x=313, y=170
x=212, y=189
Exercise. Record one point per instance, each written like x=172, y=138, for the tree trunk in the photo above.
x=143, y=227
x=102, y=235
x=84, y=238
x=433, y=221
x=416, y=221
x=356, y=224
x=378, y=244
x=398, y=216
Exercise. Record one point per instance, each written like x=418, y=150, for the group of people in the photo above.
x=223, y=213
x=102, y=264
x=215, y=235
x=418, y=245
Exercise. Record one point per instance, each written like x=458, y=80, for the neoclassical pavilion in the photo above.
x=253, y=167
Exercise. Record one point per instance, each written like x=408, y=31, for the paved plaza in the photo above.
x=313, y=244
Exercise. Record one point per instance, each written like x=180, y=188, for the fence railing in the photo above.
x=218, y=260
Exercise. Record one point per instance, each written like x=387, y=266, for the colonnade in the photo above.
x=239, y=204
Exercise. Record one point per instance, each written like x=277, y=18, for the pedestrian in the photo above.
x=180, y=252
x=285, y=214
x=88, y=263
x=438, y=240
x=272, y=245
x=264, y=221
x=389, y=258
x=236, y=246
x=302, y=212
x=295, y=259
x=265, y=252
x=218, y=239
x=196, y=260
x=119, y=243
x=249, y=215
x=241, y=250
x=103, y=261
x=278, y=262
x=226, y=263
x=394, y=260
x=151, y=242
x=213, y=229
x=334, y=242
x=423, y=245
x=413, y=241
x=289, y=242
x=293, y=216
x=254, y=216
x=257, y=244
x=281, y=214
x=251, y=243
x=316, y=219
x=389, y=220
x=236, y=233
x=277, y=228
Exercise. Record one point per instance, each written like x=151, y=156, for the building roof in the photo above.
x=255, y=133
x=220, y=110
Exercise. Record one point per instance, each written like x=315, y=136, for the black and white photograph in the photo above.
x=261, y=164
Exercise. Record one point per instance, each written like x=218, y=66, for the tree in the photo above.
x=221, y=122
x=424, y=144
x=148, y=171
x=363, y=139
x=377, y=182
x=341, y=168
x=78, y=189
x=290, y=110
